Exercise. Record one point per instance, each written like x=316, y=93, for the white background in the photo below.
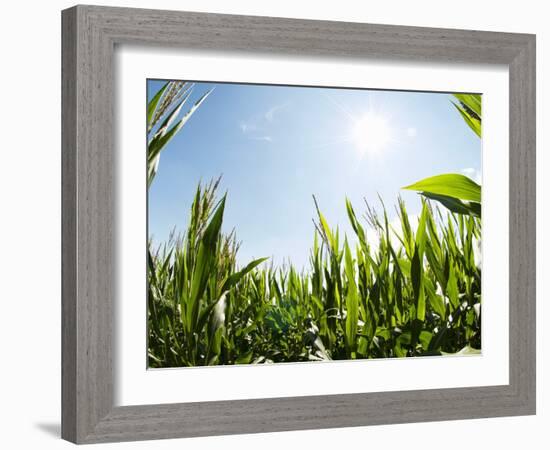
x=134, y=385
x=30, y=225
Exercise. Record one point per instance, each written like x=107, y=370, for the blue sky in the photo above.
x=278, y=145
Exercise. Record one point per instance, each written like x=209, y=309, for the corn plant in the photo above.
x=189, y=281
x=166, y=106
x=456, y=192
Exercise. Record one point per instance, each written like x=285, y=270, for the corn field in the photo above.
x=388, y=291
x=416, y=293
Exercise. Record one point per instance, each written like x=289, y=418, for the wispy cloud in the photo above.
x=270, y=113
x=247, y=126
x=262, y=138
x=257, y=127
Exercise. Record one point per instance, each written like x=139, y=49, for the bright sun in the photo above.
x=372, y=134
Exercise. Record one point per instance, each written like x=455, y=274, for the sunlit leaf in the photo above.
x=451, y=185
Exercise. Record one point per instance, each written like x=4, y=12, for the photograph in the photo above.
x=259, y=225
x=308, y=224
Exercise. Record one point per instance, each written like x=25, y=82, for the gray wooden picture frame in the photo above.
x=90, y=34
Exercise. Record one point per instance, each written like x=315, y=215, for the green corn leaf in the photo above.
x=363, y=345
x=165, y=135
x=471, y=121
x=435, y=265
x=455, y=205
x=451, y=185
x=417, y=280
x=205, y=254
x=439, y=339
x=407, y=240
x=163, y=128
x=206, y=313
x=421, y=229
x=475, y=208
x=425, y=338
x=152, y=105
x=452, y=286
x=469, y=109
x=160, y=141
x=436, y=302
x=327, y=231
x=352, y=303
x=357, y=228
x=233, y=279
x=472, y=101
x=245, y=358
x=215, y=346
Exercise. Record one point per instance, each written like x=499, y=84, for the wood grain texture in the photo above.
x=89, y=37
x=68, y=227
x=88, y=210
x=522, y=224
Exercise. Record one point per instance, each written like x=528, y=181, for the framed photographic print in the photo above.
x=277, y=224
